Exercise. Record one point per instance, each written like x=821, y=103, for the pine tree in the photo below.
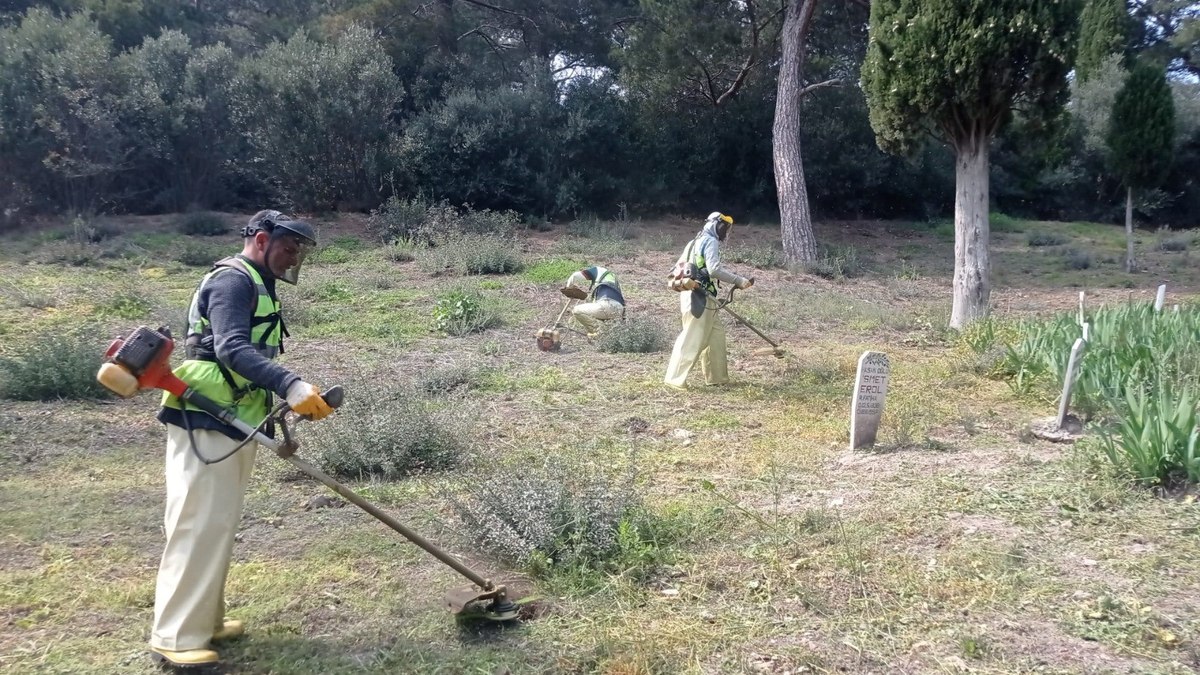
x=1102, y=30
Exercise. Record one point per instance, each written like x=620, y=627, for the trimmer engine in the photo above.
x=140, y=361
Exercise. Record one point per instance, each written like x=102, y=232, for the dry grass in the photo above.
x=960, y=545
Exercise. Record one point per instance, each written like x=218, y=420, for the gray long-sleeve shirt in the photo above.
x=228, y=301
x=708, y=245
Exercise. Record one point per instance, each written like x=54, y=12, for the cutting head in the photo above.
x=548, y=340
x=473, y=602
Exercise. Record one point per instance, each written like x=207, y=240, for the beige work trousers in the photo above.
x=590, y=314
x=204, y=507
x=702, y=339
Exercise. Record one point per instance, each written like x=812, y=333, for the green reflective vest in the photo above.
x=208, y=376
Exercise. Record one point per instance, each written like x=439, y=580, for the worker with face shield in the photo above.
x=235, y=330
x=703, y=336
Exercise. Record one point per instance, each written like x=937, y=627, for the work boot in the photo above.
x=231, y=629
x=188, y=658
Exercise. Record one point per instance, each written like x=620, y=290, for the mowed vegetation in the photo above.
x=728, y=530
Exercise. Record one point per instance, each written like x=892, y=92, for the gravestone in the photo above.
x=1160, y=298
x=870, y=388
x=1081, y=297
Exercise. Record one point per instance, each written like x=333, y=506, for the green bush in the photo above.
x=202, y=224
x=461, y=312
x=1046, y=238
x=1157, y=437
x=472, y=254
x=54, y=364
x=126, y=304
x=387, y=434
x=199, y=254
x=420, y=222
x=638, y=335
x=560, y=513
x=1076, y=259
x=999, y=222
x=1174, y=244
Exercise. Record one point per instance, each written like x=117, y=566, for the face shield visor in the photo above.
x=290, y=242
x=722, y=223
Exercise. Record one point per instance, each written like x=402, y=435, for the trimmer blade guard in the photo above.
x=471, y=602
x=549, y=339
x=573, y=292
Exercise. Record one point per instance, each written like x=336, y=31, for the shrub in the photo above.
x=1046, y=238
x=1076, y=259
x=198, y=254
x=560, y=513
x=1173, y=244
x=54, y=364
x=472, y=254
x=126, y=304
x=639, y=335
x=461, y=311
x=202, y=224
x=999, y=222
x=420, y=222
x=402, y=251
x=387, y=434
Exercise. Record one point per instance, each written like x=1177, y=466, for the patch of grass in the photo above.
x=473, y=254
x=552, y=271
x=332, y=255
x=452, y=379
x=201, y=254
x=125, y=304
x=761, y=256
x=637, y=335
x=1177, y=244
x=594, y=228
x=402, y=251
x=999, y=222
x=388, y=434
x=202, y=224
x=836, y=263
x=54, y=363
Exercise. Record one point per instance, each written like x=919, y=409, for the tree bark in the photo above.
x=799, y=242
x=972, y=265
x=1129, y=230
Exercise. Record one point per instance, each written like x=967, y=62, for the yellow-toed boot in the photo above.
x=230, y=629
x=188, y=658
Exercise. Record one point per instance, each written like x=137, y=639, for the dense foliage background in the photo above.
x=552, y=109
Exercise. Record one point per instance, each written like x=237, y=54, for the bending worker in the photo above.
x=234, y=332
x=605, y=301
x=703, y=336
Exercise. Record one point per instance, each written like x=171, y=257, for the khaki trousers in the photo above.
x=590, y=314
x=204, y=507
x=701, y=339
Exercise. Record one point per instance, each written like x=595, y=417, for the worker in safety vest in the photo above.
x=698, y=274
x=605, y=300
x=235, y=330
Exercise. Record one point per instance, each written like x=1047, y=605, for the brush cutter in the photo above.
x=774, y=350
x=141, y=361
x=550, y=339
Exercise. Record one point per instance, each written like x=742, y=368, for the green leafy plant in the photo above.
x=460, y=312
x=1046, y=238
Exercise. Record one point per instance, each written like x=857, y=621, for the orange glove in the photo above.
x=305, y=399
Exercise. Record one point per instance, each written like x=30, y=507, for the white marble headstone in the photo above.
x=870, y=388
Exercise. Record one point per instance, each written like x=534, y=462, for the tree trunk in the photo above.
x=972, y=266
x=799, y=243
x=1129, y=230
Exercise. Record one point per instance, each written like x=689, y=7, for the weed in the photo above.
x=472, y=254
x=403, y=250
x=202, y=224
x=126, y=304
x=333, y=255
x=639, y=335
x=836, y=263
x=388, y=434
x=54, y=363
x=422, y=222
x=461, y=311
x=1046, y=238
x=908, y=272
x=999, y=222
x=25, y=295
x=1174, y=244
